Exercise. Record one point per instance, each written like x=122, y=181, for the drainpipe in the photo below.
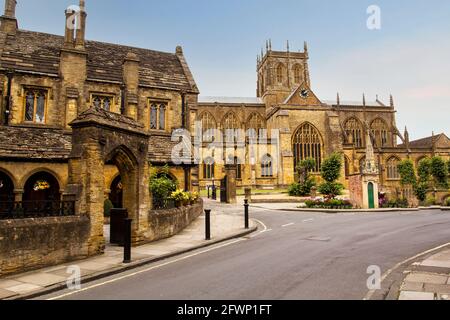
x=183, y=110
x=10, y=75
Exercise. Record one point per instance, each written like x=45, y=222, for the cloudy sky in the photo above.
x=408, y=57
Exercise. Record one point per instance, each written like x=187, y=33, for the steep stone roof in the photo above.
x=36, y=52
x=34, y=143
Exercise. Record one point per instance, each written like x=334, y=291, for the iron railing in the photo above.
x=36, y=209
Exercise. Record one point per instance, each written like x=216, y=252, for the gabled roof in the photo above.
x=36, y=52
x=441, y=141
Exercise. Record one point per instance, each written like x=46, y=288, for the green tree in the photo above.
x=331, y=172
x=439, y=172
x=407, y=174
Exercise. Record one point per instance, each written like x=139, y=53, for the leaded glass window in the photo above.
x=35, y=105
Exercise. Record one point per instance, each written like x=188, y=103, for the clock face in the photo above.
x=304, y=93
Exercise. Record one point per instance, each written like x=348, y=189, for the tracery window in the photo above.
x=158, y=112
x=267, y=166
x=355, y=133
x=307, y=143
x=297, y=73
x=280, y=73
x=392, y=168
x=35, y=105
x=209, y=126
x=102, y=101
x=380, y=132
x=230, y=125
x=256, y=123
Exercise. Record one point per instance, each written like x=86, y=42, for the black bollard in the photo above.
x=208, y=225
x=208, y=192
x=127, y=241
x=246, y=205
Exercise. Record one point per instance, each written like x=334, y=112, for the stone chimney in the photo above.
x=81, y=28
x=8, y=20
x=131, y=81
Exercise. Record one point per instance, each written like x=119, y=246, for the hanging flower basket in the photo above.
x=41, y=185
x=1, y=184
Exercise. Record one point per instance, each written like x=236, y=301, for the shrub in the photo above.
x=329, y=204
x=406, y=170
x=424, y=170
x=420, y=190
x=301, y=189
x=162, y=187
x=447, y=202
x=107, y=206
x=180, y=197
x=331, y=168
x=439, y=172
x=430, y=201
x=331, y=189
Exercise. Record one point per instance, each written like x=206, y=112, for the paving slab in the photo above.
x=436, y=263
x=437, y=288
x=426, y=278
x=9, y=283
x=4, y=294
x=412, y=295
x=412, y=286
x=41, y=279
x=94, y=266
x=24, y=288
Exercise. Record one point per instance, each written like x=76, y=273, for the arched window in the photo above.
x=392, y=168
x=209, y=125
x=102, y=101
x=239, y=168
x=280, y=75
x=230, y=125
x=355, y=133
x=307, y=143
x=297, y=73
x=35, y=103
x=256, y=123
x=267, y=166
x=41, y=186
x=380, y=131
x=158, y=116
x=208, y=168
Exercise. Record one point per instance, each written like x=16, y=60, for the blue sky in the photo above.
x=409, y=56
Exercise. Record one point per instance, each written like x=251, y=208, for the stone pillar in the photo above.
x=18, y=195
x=230, y=172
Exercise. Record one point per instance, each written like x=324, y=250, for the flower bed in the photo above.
x=328, y=204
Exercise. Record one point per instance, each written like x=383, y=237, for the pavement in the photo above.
x=428, y=279
x=294, y=255
x=224, y=226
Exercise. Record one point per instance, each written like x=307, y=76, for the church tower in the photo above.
x=281, y=72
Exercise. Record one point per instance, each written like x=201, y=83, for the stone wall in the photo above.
x=356, y=191
x=35, y=243
x=167, y=223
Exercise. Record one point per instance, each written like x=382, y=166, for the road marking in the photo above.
x=371, y=292
x=143, y=271
x=308, y=220
x=287, y=225
x=260, y=232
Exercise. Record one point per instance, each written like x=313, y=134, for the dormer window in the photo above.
x=102, y=101
x=35, y=105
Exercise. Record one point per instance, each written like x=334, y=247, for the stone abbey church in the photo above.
x=52, y=85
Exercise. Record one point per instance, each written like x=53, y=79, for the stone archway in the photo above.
x=101, y=137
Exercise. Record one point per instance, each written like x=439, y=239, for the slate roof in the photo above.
x=428, y=141
x=36, y=52
x=34, y=143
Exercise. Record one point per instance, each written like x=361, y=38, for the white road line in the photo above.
x=143, y=271
x=287, y=225
x=371, y=292
x=308, y=220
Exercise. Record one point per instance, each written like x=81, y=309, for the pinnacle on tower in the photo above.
x=391, y=101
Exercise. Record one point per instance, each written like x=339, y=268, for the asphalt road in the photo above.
x=300, y=256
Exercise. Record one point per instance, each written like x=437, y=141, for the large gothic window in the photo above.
x=280, y=73
x=380, y=132
x=230, y=125
x=354, y=131
x=35, y=105
x=392, y=168
x=267, y=166
x=256, y=124
x=297, y=73
x=307, y=143
x=209, y=125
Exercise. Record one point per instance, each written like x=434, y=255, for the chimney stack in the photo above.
x=8, y=20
